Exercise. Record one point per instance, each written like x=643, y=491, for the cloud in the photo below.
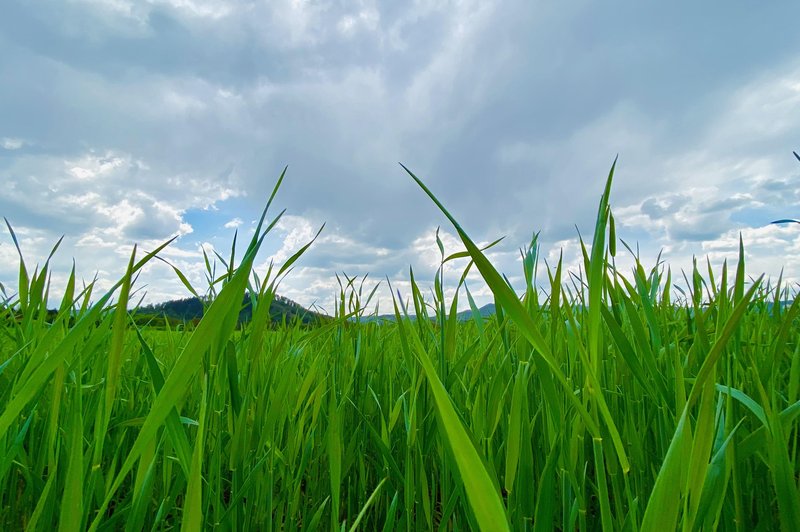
x=694, y=215
x=11, y=143
x=129, y=121
x=366, y=20
x=233, y=224
x=314, y=279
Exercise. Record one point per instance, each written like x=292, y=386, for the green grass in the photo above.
x=612, y=402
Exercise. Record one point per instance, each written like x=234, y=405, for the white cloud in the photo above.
x=117, y=7
x=91, y=166
x=9, y=143
x=213, y=9
x=367, y=19
x=765, y=108
x=693, y=215
x=135, y=121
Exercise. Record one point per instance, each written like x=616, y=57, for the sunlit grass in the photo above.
x=616, y=402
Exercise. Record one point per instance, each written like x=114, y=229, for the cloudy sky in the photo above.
x=126, y=121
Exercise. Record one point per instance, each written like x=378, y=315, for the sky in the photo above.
x=129, y=122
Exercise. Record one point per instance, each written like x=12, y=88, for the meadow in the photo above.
x=596, y=400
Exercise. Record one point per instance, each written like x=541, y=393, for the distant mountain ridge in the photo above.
x=191, y=309
x=465, y=315
x=485, y=311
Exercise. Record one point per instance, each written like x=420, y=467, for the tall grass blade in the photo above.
x=481, y=493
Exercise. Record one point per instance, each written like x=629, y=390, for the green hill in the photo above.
x=190, y=309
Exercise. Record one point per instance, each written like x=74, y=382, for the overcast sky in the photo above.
x=127, y=122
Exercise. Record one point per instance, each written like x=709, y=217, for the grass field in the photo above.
x=614, y=402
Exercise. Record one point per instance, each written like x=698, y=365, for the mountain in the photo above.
x=190, y=309
x=465, y=315
x=485, y=311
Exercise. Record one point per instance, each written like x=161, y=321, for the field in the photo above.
x=613, y=402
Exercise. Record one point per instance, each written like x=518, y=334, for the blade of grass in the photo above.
x=366, y=506
x=193, y=506
x=483, y=498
